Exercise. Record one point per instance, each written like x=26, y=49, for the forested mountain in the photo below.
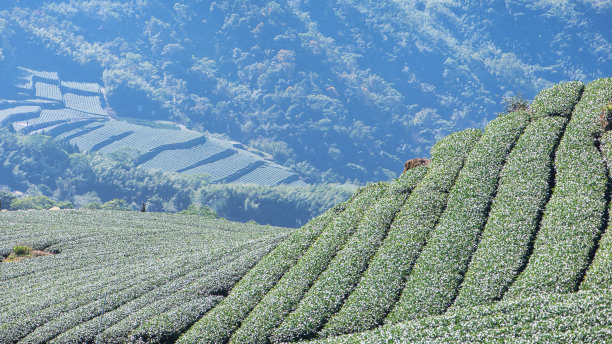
x=337, y=90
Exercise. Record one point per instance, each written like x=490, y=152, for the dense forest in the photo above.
x=44, y=168
x=339, y=91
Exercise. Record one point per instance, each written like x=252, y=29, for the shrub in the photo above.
x=581, y=317
x=558, y=100
x=93, y=206
x=219, y=324
x=136, y=265
x=515, y=213
x=32, y=202
x=599, y=274
x=199, y=211
x=21, y=250
x=573, y=218
x=439, y=270
x=515, y=103
x=115, y=204
x=344, y=271
x=382, y=282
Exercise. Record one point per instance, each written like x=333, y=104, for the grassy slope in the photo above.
x=146, y=264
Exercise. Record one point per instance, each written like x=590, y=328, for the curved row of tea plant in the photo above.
x=149, y=262
x=382, y=282
x=329, y=291
x=574, y=217
x=558, y=100
x=323, y=242
x=515, y=214
x=438, y=271
x=286, y=295
x=582, y=317
x=599, y=274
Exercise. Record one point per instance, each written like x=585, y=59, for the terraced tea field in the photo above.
x=504, y=237
x=41, y=102
x=144, y=275
x=505, y=233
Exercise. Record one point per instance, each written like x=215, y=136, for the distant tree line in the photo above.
x=51, y=173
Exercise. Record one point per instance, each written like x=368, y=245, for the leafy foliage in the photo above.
x=327, y=236
x=37, y=202
x=580, y=317
x=524, y=189
x=574, y=217
x=360, y=244
x=383, y=281
x=141, y=263
x=558, y=100
x=199, y=211
x=439, y=269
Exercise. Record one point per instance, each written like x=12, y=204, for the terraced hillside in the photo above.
x=142, y=271
x=41, y=102
x=502, y=222
x=504, y=237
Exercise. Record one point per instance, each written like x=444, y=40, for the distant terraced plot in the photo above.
x=228, y=167
x=89, y=104
x=73, y=112
x=145, y=139
x=173, y=160
x=81, y=87
x=107, y=133
x=266, y=175
x=49, y=118
x=47, y=91
x=19, y=113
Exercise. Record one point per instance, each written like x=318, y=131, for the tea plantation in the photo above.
x=151, y=275
x=503, y=238
x=38, y=102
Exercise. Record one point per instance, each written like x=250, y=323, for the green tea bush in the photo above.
x=32, y=202
x=382, y=282
x=558, y=100
x=135, y=259
x=284, y=298
x=160, y=303
x=515, y=213
x=219, y=324
x=438, y=271
x=599, y=274
x=331, y=288
x=180, y=292
x=582, y=317
x=168, y=326
x=573, y=218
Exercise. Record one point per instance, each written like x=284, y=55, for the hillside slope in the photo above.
x=501, y=220
x=33, y=101
x=339, y=90
x=505, y=236
x=119, y=273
